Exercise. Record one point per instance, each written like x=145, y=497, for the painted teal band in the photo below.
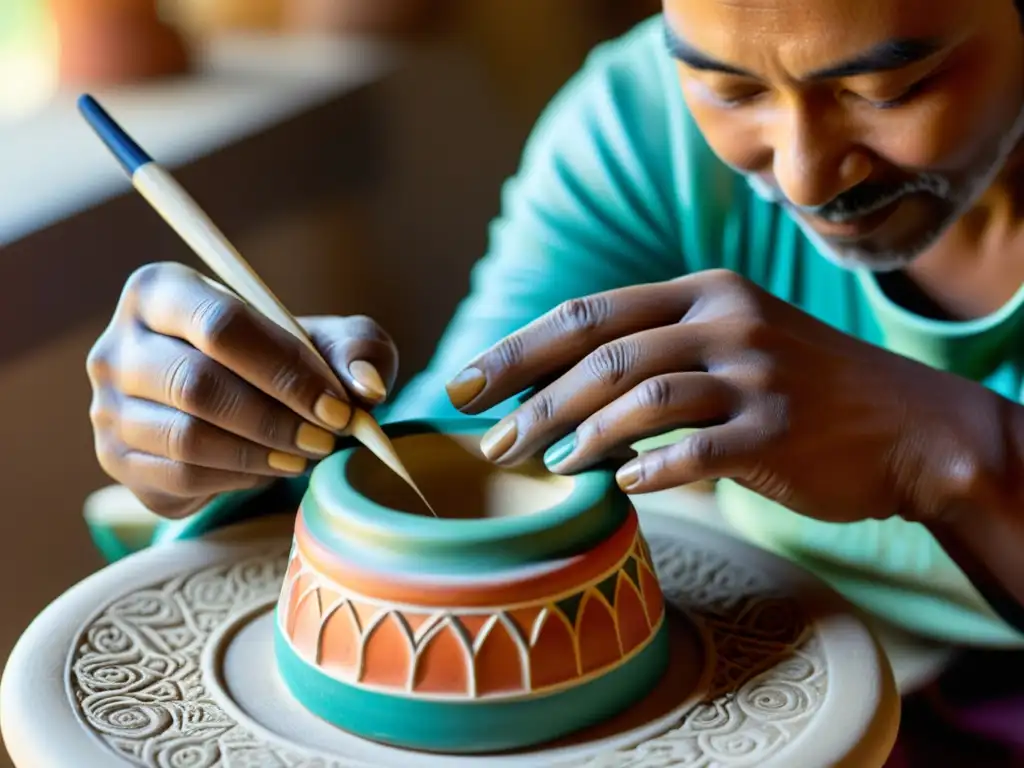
x=347, y=522
x=471, y=727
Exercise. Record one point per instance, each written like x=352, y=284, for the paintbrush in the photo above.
x=169, y=199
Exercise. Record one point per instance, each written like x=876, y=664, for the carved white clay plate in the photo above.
x=163, y=660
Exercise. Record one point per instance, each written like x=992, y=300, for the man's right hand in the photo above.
x=195, y=393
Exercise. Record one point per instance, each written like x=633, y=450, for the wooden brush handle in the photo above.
x=183, y=214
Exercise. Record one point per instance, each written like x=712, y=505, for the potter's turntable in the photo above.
x=545, y=624
x=164, y=659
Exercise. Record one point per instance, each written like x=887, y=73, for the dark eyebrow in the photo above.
x=694, y=59
x=884, y=57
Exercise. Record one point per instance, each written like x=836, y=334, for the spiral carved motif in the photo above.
x=135, y=674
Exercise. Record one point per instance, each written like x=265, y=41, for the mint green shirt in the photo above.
x=616, y=187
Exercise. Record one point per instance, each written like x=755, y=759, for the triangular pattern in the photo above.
x=632, y=569
x=371, y=643
x=607, y=588
x=474, y=622
x=569, y=607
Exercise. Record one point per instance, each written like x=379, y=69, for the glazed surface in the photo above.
x=531, y=633
x=489, y=520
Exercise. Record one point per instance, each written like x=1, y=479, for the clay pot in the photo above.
x=113, y=42
x=208, y=18
x=527, y=610
x=379, y=18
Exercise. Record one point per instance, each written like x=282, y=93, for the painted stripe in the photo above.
x=472, y=726
x=409, y=693
x=511, y=586
x=342, y=518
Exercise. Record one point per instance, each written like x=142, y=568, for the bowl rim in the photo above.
x=340, y=517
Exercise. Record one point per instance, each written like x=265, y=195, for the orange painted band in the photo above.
x=566, y=577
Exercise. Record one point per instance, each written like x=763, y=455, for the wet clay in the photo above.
x=457, y=479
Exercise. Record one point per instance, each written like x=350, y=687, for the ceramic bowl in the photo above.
x=527, y=610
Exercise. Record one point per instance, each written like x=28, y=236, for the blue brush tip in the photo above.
x=128, y=153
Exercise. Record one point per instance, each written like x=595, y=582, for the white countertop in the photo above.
x=52, y=166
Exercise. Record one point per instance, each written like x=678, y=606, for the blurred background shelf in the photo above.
x=53, y=167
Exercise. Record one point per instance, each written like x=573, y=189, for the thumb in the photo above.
x=359, y=351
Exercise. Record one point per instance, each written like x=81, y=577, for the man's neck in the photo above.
x=978, y=265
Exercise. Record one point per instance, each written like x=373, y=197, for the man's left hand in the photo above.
x=828, y=425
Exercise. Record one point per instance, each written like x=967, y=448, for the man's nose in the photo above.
x=814, y=162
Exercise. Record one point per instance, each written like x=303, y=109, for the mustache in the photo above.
x=862, y=200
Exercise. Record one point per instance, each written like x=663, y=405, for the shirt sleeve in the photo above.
x=591, y=208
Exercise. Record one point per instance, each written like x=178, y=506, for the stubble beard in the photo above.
x=958, y=201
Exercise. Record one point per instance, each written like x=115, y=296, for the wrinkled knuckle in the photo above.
x=272, y=429
x=610, y=363
x=593, y=431
x=699, y=452
x=542, y=408
x=654, y=395
x=581, y=316
x=242, y=454
x=217, y=320
x=288, y=378
x=182, y=437
x=190, y=385
x=651, y=467
x=509, y=354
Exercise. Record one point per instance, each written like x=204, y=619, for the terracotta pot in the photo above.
x=110, y=42
x=381, y=18
x=527, y=610
x=206, y=18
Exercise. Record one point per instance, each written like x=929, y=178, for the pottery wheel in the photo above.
x=164, y=659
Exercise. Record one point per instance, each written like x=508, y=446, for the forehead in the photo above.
x=739, y=29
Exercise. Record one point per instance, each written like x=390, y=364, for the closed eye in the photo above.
x=903, y=99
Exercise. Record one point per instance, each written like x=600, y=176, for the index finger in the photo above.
x=176, y=301
x=559, y=339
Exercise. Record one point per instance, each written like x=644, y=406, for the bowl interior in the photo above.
x=456, y=479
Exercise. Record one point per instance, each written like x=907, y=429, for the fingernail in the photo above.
x=313, y=439
x=332, y=411
x=464, y=387
x=628, y=475
x=501, y=437
x=560, y=451
x=367, y=380
x=285, y=462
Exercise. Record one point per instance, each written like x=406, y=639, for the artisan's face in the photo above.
x=879, y=122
